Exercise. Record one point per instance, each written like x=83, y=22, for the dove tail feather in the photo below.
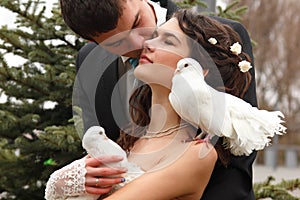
x=254, y=130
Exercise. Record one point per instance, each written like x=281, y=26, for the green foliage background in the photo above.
x=34, y=140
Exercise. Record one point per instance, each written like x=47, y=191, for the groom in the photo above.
x=98, y=71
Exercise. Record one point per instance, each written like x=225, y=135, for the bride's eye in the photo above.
x=168, y=42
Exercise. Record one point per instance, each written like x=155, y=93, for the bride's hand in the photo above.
x=100, y=178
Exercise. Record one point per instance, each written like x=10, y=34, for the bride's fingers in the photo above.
x=95, y=162
x=102, y=182
x=104, y=171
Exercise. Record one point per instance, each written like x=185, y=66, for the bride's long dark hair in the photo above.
x=200, y=29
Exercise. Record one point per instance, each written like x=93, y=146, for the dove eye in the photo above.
x=186, y=65
x=100, y=133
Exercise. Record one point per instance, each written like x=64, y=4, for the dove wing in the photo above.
x=186, y=99
x=252, y=128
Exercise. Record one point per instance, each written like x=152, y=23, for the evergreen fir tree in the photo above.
x=277, y=191
x=232, y=11
x=190, y=3
x=34, y=140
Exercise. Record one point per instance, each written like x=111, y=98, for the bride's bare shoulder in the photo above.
x=203, y=154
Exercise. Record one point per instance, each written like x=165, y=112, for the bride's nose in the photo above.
x=148, y=46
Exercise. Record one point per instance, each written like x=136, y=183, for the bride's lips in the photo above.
x=144, y=59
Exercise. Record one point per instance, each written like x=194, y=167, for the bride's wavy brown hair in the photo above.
x=199, y=28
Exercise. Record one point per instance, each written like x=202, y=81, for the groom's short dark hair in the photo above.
x=90, y=18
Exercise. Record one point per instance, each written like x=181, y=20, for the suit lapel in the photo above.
x=171, y=7
x=110, y=94
x=90, y=73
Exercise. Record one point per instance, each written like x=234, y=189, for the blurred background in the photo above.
x=37, y=55
x=274, y=29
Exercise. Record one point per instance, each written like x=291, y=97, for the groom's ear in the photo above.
x=205, y=72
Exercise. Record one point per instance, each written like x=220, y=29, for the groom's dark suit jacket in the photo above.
x=97, y=75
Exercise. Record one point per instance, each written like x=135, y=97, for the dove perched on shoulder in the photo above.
x=246, y=128
x=97, y=144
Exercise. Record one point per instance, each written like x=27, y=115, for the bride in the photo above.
x=177, y=166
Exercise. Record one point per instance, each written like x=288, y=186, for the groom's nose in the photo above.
x=137, y=37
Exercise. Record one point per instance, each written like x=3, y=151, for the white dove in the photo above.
x=97, y=144
x=217, y=113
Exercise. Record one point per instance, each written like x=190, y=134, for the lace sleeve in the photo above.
x=67, y=181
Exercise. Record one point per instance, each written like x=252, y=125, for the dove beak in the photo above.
x=177, y=70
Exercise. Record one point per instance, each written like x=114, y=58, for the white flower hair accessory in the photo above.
x=212, y=40
x=236, y=48
x=244, y=66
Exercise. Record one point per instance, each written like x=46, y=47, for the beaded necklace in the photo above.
x=166, y=132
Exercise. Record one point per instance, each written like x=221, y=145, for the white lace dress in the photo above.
x=68, y=182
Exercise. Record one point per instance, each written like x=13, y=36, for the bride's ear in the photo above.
x=205, y=72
